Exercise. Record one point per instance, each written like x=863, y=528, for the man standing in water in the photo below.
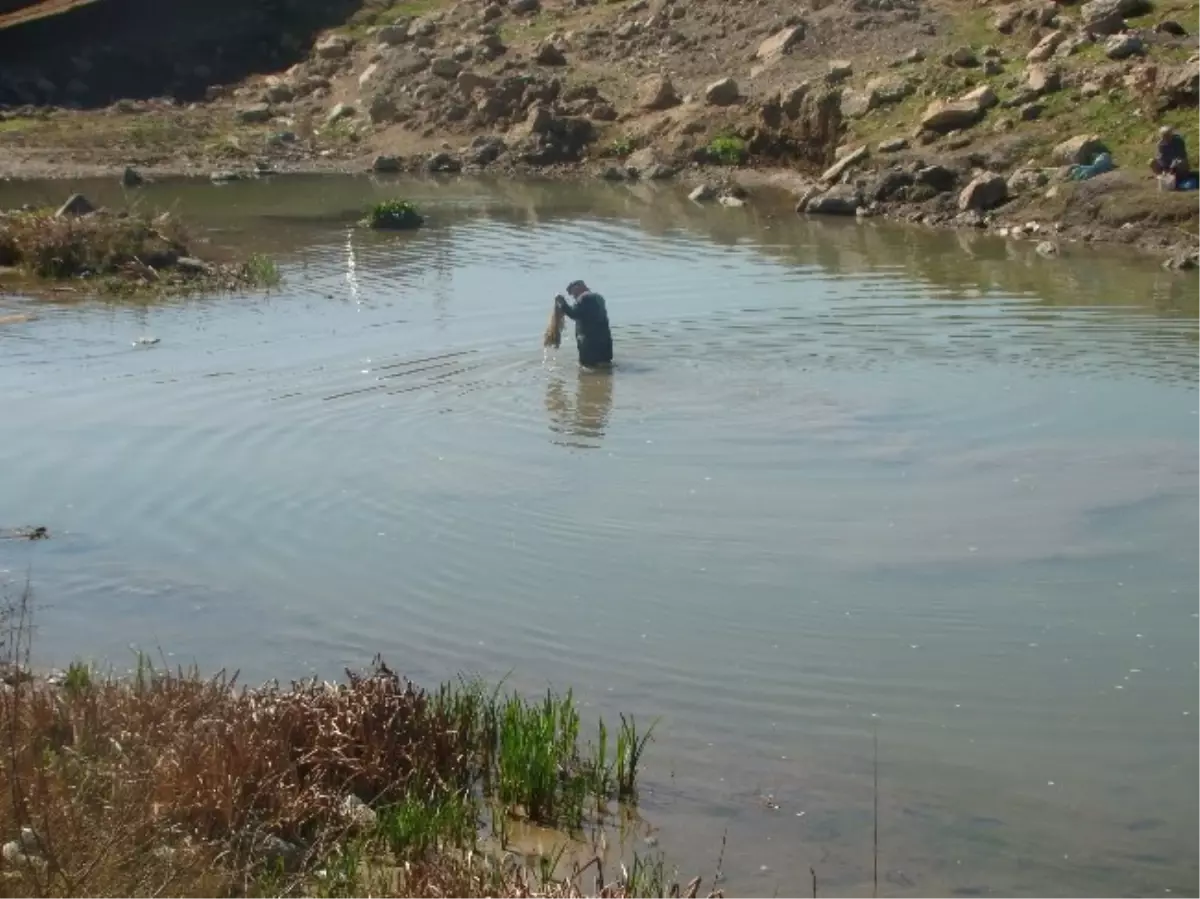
x=592, y=336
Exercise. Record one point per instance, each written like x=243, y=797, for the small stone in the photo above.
x=724, y=92
x=524, y=7
x=703, y=194
x=77, y=205
x=224, y=176
x=254, y=114
x=193, y=265
x=131, y=177
x=983, y=97
x=386, y=164
x=1170, y=26
x=731, y=201
x=892, y=145
x=339, y=112
x=443, y=163
x=392, y=35
x=944, y=116
x=658, y=172
x=613, y=173
x=1006, y=20
x=992, y=67
x=1047, y=248
x=358, y=814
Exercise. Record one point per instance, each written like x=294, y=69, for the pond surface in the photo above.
x=844, y=478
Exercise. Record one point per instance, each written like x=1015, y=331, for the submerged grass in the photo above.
x=167, y=782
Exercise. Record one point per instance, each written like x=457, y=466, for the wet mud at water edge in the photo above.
x=842, y=476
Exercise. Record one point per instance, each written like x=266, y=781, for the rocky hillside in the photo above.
x=894, y=105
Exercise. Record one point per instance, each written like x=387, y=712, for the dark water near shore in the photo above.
x=844, y=476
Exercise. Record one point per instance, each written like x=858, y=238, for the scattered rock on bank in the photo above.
x=657, y=92
x=724, y=92
x=76, y=205
x=985, y=192
x=842, y=199
x=1079, y=150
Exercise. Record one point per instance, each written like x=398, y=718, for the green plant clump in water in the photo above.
x=727, y=149
x=394, y=215
x=261, y=271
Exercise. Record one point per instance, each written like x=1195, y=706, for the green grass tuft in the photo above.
x=727, y=149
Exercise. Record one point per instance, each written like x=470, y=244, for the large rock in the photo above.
x=1046, y=46
x=1040, y=80
x=722, y=93
x=335, y=46
x=944, y=116
x=937, y=178
x=1123, y=46
x=1108, y=16
x=445, y=67
x=1180, y=88
x=339, y=112
x=548, y=53
x=255, y=114
x=854, y=157
x=856, y=104
x=842, y=199
x=838, y=71
x=1079, y=150
x=386, y=165
x=657, y=92
x=985, y=192
x=889, y=184
x=76, y=205
x=780, y=42
x=381, y=110
x=983, y=97
x=391, y=35
x=889, y=89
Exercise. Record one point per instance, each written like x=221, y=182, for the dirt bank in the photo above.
x=941, y=112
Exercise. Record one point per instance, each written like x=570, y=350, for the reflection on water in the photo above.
x=579, y=402
x=847, y=470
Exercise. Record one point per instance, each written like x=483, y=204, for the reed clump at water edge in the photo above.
x=118, y=252
x=165, y=782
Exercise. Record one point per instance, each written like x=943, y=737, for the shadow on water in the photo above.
x=579, y=403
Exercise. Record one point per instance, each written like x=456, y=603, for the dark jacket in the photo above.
x=1172, y=155
x=592, y=336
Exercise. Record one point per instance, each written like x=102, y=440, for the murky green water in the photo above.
x=844, y=476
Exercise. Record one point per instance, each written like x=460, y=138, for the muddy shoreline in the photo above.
x=1017, y=220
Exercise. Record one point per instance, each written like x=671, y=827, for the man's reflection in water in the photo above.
x=579, y=421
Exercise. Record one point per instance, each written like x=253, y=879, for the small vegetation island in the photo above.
x=127, y=252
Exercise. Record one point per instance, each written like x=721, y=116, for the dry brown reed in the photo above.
x=168, y=783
